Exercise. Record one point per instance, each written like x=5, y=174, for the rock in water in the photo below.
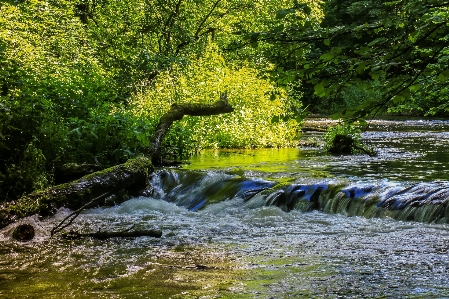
x=342, y=145
x=23, y=232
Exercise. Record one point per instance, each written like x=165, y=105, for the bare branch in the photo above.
x=203, y=21
x=73, y=215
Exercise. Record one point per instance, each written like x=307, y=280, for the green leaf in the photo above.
x=427, y=72
x=377, y=40
x=319, y=89
x=375, y=76
x=327, y=56
x=327, y=42
x=412, y=36
x=397, y=99
x=415, y=87
x=299, y=52
x=337, y=115
x=360, y=68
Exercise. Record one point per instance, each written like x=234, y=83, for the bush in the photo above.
x=343, y=139
x=49, y=76
x=264, y=115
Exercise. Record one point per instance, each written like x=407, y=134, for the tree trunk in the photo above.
x=177, y=112
x=125, y=178
x=120, y=181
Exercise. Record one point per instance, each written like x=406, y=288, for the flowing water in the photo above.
x=287, y=223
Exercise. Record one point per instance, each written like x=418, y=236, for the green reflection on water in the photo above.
x=247, y=159
x=267, y=162
x=61, y=272
x=400, y=159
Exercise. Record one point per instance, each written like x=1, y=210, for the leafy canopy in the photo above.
x=74, y=72
x=401, y=45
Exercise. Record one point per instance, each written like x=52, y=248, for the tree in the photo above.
x=401, y=45
x=70, y=71
x=138, y=39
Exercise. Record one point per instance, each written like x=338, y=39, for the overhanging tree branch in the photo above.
x=177, y=112
x=410, y=82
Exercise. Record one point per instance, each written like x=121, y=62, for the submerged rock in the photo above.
x=23, y=232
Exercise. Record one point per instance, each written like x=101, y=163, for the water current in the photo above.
x=278, y=223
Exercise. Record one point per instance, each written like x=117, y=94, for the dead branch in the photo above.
x=75, y=214
x=177, y=112
x=106, y=235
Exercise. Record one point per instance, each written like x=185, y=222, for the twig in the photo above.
x=75, y=214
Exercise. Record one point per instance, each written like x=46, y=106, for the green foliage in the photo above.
x=86, y=82
x=49, y=77
x=353, y=97
x=401, y=45
x=29, y=174
x=264, y=116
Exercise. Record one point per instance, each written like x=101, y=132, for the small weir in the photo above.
x=423, y=202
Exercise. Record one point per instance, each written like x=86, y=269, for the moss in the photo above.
x=122, y=179
x=278, y=186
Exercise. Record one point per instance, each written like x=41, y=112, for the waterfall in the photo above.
x=194, y=190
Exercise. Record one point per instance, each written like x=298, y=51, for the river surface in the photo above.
x=287, y=223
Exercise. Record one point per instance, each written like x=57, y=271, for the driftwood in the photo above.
x=75, y=214
x=123, y=180
x=106, y=235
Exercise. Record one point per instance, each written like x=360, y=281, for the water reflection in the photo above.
x=402, y=155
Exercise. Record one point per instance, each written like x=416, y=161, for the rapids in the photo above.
x=280, y=223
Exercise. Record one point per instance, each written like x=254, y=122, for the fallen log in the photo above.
x=122, y=181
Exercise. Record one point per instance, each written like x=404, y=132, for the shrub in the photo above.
x=347, y=137
x=264, y=115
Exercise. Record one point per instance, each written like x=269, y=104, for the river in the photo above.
x=277, y=223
